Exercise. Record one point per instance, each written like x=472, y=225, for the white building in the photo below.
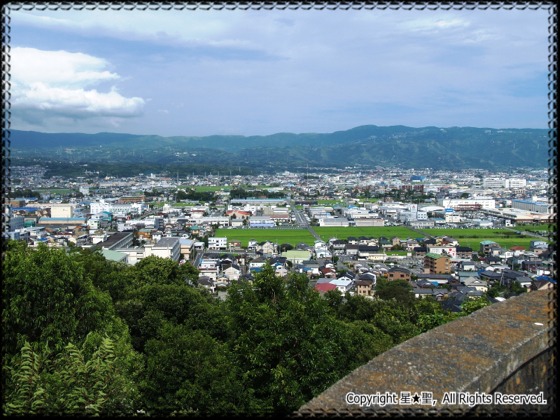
x=217, y=243
x=167, y=248
x=116, y=208
x=483, y=203
x=412, y=214
x=516, y=183
x=441, y=250
x=343, y=285
x=334, y=221
x=261, y=222
x=369, y=222
x=62, y=210
x=535, y=205
x=222, y=221
x=493, y=182
x=208, y=267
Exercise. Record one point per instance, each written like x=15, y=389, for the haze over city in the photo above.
x=256, y=72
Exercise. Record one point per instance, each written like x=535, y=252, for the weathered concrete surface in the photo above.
x=507, y=347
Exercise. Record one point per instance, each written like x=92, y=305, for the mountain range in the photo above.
x=369, y=145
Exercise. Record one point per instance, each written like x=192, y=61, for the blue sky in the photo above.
x=257, y=72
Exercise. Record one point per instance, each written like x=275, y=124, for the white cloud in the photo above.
x=60, y=83
x=77, y=102
x=434, y=24
x=281, y=70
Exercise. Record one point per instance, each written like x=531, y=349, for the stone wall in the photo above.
x=468, y=366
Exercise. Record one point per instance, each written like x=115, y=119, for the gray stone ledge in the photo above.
x=473, y=354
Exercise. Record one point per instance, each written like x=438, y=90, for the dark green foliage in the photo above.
x=191, y=194
x=399, y=290
x=106, y=275
x=189, y=372
x=48, y=297
x=85, y=336
x=156, y=270
x=242, y=193
x=62, y=340
x=23, y=192
x=289, y=343
x=43, y=382
x=149, y=307
x=474, y=304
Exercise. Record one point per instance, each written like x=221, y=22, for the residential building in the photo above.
x=437, y=263
x=117, y=240
x=399, y=273
x=364, y=287
x=167, y=248
x=187, y=248
x=217, y=243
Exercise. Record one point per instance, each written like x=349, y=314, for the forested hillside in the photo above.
x=370, y=145
x=85, y=336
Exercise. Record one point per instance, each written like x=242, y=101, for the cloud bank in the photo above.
x=62, y=84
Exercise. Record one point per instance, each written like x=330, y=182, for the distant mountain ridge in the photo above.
x=370, y=145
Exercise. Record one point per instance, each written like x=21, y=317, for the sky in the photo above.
x=250, y=71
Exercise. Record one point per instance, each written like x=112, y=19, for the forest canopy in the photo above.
x=87, y=336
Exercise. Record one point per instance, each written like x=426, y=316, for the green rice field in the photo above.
x=534, y=228
x=53, y=191
x=467, y=237
x=506, y=238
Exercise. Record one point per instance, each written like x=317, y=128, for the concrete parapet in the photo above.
x=500, y=359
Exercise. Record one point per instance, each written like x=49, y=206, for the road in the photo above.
x=302, y=221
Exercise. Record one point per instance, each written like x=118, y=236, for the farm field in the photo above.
x=330, y=202
x=533, y=228
x=507, y=243
x=471, y=233
x=296, y=236
x=471, y=238
x=467, y=237
x=61, y=191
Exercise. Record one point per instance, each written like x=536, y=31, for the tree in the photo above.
x=105, y=275
x=189, y=372
x=181, y=195
x=286, y=340
x=430, y=314
x=156, y=270
x=474, y=304
x=48, y=297
x=400, y=290
x=286, y=247
x=44, y=382
x=149, y=307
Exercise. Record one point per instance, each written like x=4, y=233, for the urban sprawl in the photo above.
x=234, y=230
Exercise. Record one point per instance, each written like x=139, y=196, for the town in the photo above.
x=344, y=229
